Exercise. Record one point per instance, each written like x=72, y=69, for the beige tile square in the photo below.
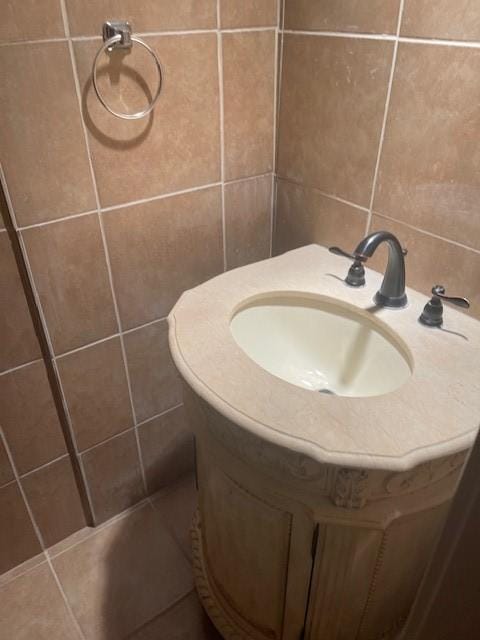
x=455, y=19
x=29, y=418
x=41, y=135
x=113, y=476
x=123, y=576
x=185, y=621
x=248, y=13
x=167, y=449
x=6, y=472
x=53, y=497
x=332, y=106
x=248, y=87
x=429, y=175
x=30, y=20
x=32, y=608
x=155, y=382
x=18, y=541
x=160, y=248
x=177, y=505
x=178, y=145
x=432, y=261
x=18, y=342
x=95, y=386
x=374, y=16
x=248, y=220
x=305, y=216
x=144, y=15
x=70, y=273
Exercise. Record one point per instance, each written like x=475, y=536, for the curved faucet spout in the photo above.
x=392, y=292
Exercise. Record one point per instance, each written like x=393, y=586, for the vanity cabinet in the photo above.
x=287, y=548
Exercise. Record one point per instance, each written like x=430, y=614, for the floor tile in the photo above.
x=32, y=608
x=185, y=621
x=123, y=576
x=177, y=507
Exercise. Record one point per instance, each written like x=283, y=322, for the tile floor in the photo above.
x=129, y=579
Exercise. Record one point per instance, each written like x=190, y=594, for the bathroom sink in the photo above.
x=322, y=344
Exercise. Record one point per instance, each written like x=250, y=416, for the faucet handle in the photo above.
x=439, y=291
x=356, y=273
x=432, y=314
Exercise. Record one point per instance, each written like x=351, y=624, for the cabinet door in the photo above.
x=247, y=542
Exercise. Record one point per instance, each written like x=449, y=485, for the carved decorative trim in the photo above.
x=350, y=489
x=225, y=627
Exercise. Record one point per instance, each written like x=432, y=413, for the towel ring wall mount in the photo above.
x=117, y=34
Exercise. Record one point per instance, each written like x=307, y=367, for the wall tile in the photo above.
x=18, y=541
x=6, y=472
x=123, y=576
x=248, y=13
x=32, y=608
x=432, y=181
x=42, y=143
x=329, y=137
x=248, y=80
x=153, y=376
x=456, y=19
x=305, y=216
x=113, y=476
x=160, y=248
x=374, y=16
x=458, y=269
x=54, y=500
x=248, y=212
x=70, y=272
x=95, y=387
x=144, y=15
x=30, y=20
x=175, y=148
x=18, y=342
x=29, y=417
x=167, y=449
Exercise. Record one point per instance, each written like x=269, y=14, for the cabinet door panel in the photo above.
x=246, y=545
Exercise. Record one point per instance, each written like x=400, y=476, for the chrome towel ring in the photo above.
x=117, y=35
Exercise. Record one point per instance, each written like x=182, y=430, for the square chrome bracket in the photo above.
x=121, y=28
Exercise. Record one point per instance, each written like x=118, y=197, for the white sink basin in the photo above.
x=322, y=344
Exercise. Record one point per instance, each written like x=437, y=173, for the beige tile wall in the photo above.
x=116, y=218
x=381, y=131
x=39, y=500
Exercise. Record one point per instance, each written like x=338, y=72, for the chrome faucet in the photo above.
x=392, y=292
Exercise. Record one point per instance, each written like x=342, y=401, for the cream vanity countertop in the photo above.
x=435, y=413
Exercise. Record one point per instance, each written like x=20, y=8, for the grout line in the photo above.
x=341, y=34
x=86, y=346
x=172, y=194
x=278, y=80
x=331, y=196
x=93, y=531
x=385, y=116
x=222, y=132
x=104, y=241
x=272, y=213
x=109, y=439
x=143, y=326
x=35, y=526
x=159, y=415
x=75, y=622
x=62, y=219
x=441, y=42
x=428, y=233
x=20, y=366
x=132, y=203
x=43, y=466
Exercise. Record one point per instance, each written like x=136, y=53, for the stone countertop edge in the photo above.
x=396, y=431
